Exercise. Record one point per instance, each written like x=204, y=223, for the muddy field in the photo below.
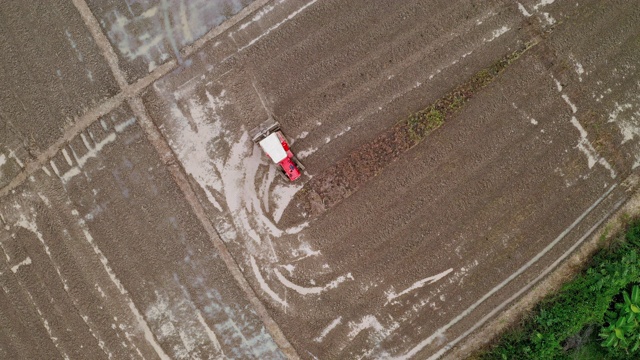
x=140, y=221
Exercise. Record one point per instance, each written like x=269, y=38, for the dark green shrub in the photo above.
x=623, y=330
x=581, y=303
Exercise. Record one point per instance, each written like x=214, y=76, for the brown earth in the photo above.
x=145, y=224
x=348, y=174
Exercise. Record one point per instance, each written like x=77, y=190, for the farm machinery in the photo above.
x=274, y=144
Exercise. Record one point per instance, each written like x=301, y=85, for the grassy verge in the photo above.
x=569, y=324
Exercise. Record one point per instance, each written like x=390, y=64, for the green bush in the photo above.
x=581, y=303
x=623, y=330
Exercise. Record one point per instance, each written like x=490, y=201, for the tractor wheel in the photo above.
x=283, y=173
x=298, y=163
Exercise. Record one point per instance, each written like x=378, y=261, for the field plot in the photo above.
x=48, y=78
x=441, y=237
x=81, y=271
x=107, y=253
x=148, y=33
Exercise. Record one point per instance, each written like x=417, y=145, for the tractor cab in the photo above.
x=272, y=141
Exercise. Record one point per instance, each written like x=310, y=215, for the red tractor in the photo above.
x=274, y=144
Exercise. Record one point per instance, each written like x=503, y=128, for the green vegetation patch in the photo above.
x=425, y=121
x=595, y=316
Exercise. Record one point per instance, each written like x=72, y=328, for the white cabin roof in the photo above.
x=272, y=146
